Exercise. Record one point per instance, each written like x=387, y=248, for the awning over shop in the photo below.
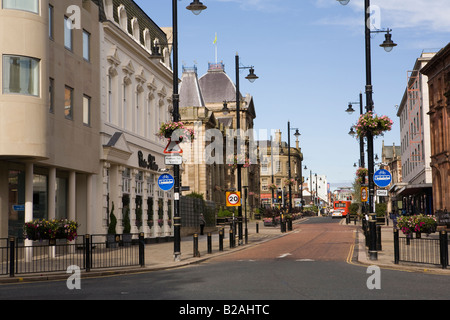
x=414, y=189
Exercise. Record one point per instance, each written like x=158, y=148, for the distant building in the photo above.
x=275, y=167
x=201, y=108
x=391, y=161
x=438, y=72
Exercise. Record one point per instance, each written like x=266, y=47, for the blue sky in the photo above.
x=309, y=56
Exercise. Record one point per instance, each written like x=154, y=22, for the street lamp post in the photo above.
x=350, y=110
x=388, y=45
x=362, y=164
x=196, y=7
x=251, y=77
x=297, y=134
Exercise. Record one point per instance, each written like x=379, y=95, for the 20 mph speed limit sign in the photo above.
x=233, y=199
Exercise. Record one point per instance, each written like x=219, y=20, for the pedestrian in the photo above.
x=202, y=223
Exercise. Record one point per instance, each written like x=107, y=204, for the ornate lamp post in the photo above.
x=196, y=7
x=388, y=45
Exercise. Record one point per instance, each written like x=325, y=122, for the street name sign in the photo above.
x=382, y=193
x=173, y=160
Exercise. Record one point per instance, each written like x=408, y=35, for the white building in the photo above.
x=135, y=99
x=415, y=140
x=318, y=186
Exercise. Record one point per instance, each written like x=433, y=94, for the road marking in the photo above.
x=284, y=255
x=304, y=260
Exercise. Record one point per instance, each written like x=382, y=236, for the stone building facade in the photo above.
x=438, y=72
x=49, y=111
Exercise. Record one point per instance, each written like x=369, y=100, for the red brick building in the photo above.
x=438, y=72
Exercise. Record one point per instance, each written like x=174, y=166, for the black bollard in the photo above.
x=209, y=242
x=12, y=252
x=379, y=238
x=231, y=238
x=221, y=239
x=196, y=252
x=373, y=254
x=396, y=247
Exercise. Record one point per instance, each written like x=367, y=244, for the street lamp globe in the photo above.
x=225, y=109
x=251, y=76
x=352, y=132
x=388, y=44
x=196, y=7
x=350, y=109
x=344, y=2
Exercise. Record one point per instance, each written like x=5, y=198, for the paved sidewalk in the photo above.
x=385, y=257
x=159, y=256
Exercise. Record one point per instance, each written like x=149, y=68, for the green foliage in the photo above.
x=354, y=207
x=112, y=221
x=224, y=213
x=380, y=209
x=195, y=195
x=126, y=221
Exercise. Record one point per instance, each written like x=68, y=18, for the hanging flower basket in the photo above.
x=272, y=186
x=49, y=230
x=289, y=182
x=369, y=122
x=233, y=161
x=168, y=129
x=361, y=174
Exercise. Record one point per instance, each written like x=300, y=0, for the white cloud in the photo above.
x=430, y=15
x=259, y=5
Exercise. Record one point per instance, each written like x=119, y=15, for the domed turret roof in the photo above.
x=216, y=85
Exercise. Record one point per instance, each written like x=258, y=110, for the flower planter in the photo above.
x=38, y=230
x=111, y=241
x=127, y=239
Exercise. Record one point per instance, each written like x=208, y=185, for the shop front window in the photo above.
x=16, y=205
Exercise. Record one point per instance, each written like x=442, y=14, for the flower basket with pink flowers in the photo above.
x=373, y=123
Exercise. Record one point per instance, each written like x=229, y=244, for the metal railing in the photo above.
x=87, y=252
x=433, y=251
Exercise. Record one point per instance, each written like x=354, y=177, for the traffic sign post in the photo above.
x=382, y=178
x=166, y=182
x=233, y=199
x=364, y=194
x=173, y=147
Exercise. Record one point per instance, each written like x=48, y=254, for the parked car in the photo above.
x=337, y=214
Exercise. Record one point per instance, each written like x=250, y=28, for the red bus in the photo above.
x=342, y=205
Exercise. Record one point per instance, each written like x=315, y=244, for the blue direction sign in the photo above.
x=166, y=182
x=382, y=178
